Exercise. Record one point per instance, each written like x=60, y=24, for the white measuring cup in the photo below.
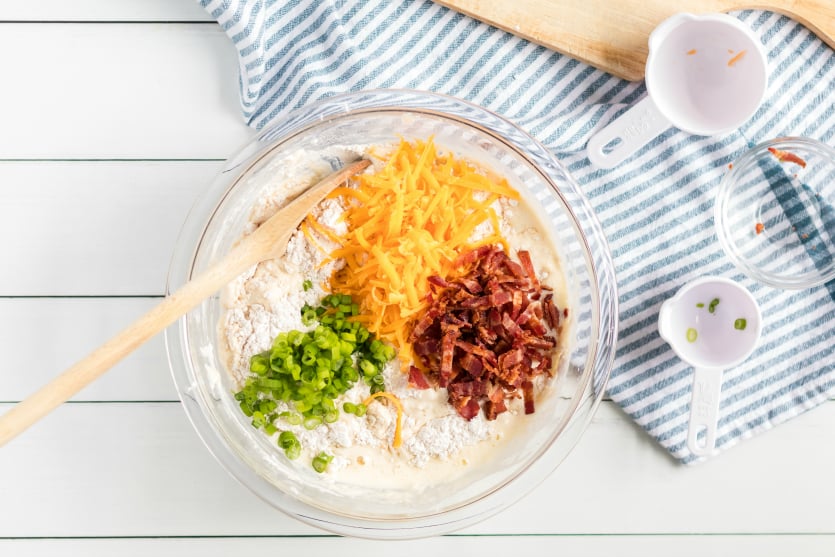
x=705, y=74
x=713, y=324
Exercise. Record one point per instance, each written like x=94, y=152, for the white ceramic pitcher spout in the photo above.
x=705, y=74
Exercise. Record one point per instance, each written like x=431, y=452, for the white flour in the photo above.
x=268, y=299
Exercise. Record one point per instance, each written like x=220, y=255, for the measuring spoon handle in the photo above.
x=704, y=410
x=626, y=134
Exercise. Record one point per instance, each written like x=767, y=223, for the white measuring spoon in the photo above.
x=705, y=74
x=712, y=323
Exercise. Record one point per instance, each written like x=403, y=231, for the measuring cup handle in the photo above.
x=704, y=410
x=632, y=130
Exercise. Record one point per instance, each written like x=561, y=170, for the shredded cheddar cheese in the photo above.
x=407, y=222
x=398, y=440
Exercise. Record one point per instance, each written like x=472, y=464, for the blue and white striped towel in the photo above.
x=656, y=208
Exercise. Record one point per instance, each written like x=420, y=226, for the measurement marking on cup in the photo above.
x=642, y=124
x=702, y=399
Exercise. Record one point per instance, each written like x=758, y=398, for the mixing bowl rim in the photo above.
x=594, y=359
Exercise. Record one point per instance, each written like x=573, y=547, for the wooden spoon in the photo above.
x=268, y=241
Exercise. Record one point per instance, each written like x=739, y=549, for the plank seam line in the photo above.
x=526, y=535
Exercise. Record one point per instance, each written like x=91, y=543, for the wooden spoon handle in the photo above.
x=256, y=247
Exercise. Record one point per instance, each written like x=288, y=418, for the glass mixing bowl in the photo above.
x=219, y=218
x=775, y=218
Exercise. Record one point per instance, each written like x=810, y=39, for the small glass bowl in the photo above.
x=776, y=218
x=446, y=504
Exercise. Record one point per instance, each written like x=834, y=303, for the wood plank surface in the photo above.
x=124, y=473
x=139, y=470
x=112, y=225
x=119, y=91
x=41, y=337
x=685, y=545
x=102, y=10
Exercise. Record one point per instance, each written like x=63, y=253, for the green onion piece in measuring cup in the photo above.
x=740, y=324
x=692, y=335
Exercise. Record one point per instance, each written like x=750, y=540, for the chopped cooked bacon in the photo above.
x=536, y=327
x=473, y=256
x=787, y=156
x=500, y=298
x=513, y=330
x=472, y=364
x=525, y=259
x=425, y=322
x=488, y=332
x=511, y=358
x=470, y=348
x=534, y=310
x=426, y=346
x=552, y=314
x=544, y=343
x=527, y=390
x=480, y=302
x=515, y=269
x=417, y=379
x=494, y=405
x=472, y=286
x=447, y=353
x=469, y=409
x=485, y=335
x=468, y=389
x=519, y=299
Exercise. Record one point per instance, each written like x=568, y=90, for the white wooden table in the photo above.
x=114, y=115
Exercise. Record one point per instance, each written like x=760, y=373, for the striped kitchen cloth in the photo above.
x=656, y=208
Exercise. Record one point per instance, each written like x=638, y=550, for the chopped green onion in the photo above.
x=307, y=284
x=692, y=335
x=700, y=305
x=712, y=306
x=260, y=363
x=740, y=324
x=308, y=317
x=321, y=461
x=306, y=371
x=286, y=439
x=291, y=418
x=312, y=422
x=293, y=451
